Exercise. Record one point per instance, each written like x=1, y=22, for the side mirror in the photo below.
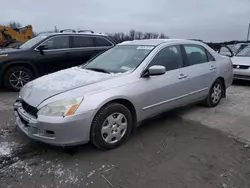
x=155, y=70
x=41, y=47
x=226, y=54
x=225, y=51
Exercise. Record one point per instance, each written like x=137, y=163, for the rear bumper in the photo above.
x=59, y=131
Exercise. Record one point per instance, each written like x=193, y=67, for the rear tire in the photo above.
x=215, y=94
x=111, y=126
x=16, y=77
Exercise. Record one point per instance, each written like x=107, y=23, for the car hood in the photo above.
x=9, y=50
x=241, y=60
x=50, y=85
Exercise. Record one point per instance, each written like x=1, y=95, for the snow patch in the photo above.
x=68, y=78
x=21, y=165
x=64, y=175
x=6, y=148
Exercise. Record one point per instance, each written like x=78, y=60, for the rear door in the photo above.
x=83, y=49
x=102, y=44
x=55, y=56
x=202, y=70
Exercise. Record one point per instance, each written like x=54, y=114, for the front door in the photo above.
x=55, y=56
x=164, y=92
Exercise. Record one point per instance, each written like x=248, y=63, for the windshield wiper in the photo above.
x=98, y=70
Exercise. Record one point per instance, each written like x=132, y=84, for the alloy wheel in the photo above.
x=216, y=94
x=19, y=78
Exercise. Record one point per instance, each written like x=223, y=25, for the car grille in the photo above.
x=241, y=66
x=29, y=109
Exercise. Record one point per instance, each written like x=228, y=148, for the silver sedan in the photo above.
x=104, y=100
x=241, y=64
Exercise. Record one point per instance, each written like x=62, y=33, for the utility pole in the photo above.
x=248, y=33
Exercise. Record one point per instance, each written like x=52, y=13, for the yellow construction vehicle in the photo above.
x=10, y=37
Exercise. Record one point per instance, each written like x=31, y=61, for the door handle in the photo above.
x=212, y=67
x=182, y=76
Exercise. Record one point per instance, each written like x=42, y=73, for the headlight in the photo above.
x=3, y=56
x=61, y=108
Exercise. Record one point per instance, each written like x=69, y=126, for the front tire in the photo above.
x=16, y=77
x=215, y=94
x=111, y=126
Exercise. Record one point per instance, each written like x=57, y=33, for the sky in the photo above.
x=209, y=20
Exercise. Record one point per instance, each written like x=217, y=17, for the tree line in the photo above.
x=125, y=36
x=118, y=36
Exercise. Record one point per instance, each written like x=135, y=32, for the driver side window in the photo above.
x=59, y=42
x=169, y=57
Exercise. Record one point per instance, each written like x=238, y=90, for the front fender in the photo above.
x=98, y=100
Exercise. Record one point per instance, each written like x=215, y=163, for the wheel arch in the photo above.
x=128, y=104
x=10, y=64
x=26, y=64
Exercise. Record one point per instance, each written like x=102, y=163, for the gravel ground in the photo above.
x=168, y=151
x=231, y=116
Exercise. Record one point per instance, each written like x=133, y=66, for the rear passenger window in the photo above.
x=82, y=41
x=196, y=54
x=102, y=42
x=169, y=57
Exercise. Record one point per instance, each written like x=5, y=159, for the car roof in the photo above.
x=156, y=42
x=72, y=33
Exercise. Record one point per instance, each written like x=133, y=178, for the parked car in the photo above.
x=104, y=100
x=241, y=64
x=236, y=48
x=49, y=53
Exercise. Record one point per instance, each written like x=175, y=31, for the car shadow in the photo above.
x=241, y=83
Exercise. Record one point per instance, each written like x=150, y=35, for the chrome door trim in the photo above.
x=73, y=49
x=164, y=102
x=198, y=91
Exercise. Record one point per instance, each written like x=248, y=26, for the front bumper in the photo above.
x=59, y=131
x=241, y=74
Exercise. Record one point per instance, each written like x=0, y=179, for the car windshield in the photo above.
x=30, y=43
x=234, y=48
x=245, y=52
x=119, y=59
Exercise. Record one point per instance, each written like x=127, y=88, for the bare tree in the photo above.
x=147, y=35
x=14, y=24
x=154, y=35
x=139, y=35
x=56, y=30
x=163, y=36
x=135, y=35
x=132, y=34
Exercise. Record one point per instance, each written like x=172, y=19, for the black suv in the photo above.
x=48, y=53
